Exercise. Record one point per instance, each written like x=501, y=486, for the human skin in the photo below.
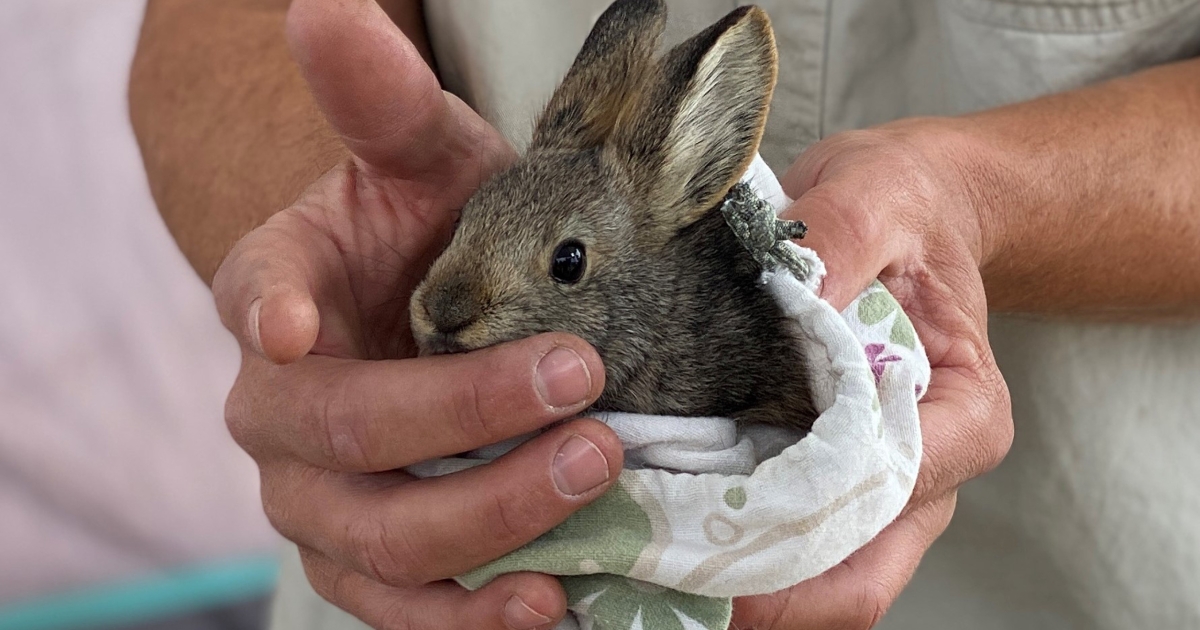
x=228, y=130
x=1079, y=204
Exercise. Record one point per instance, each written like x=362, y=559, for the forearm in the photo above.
x=1091, y=202
x=228, y=131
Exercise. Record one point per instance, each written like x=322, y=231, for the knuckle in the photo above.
x=873, y=601
x=998, y=444
x=867, y=227
x=251, y=408
x=319, y=583
x=827, y=201
x=506, y=524
x=471, y=413
x=998, y=423
x=340, y=588
x=281, y=486
x=241, y=417
x=929, y=484
x=237, y=414
x=273, y=507
x=342, y=429
x=397, y=616
x=330, y=585
x=855, y=223
x=943, y=513
x=773, y=618
x=385, y=554
x=979, y=446
x=863, y=227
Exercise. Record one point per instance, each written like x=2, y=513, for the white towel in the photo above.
x=706, y=511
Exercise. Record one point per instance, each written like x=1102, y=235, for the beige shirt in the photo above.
x=1093, y=521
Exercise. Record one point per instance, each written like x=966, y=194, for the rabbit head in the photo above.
x=581, y=234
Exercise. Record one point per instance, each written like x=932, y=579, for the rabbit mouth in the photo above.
x=473, y=337
x=441, y=343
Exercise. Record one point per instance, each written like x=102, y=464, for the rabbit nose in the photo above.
x=452, y=306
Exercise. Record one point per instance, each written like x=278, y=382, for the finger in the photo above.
x=855, y=594
x=848, y=234
x=844, y=226
x=263, y=292
x=380, y=95
x=518, y=601
x=966, y=429
x=406, y=532
x=371, y=416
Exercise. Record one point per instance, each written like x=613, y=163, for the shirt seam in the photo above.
x=825, y=37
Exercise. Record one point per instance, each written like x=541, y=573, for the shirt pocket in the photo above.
x=1069, y=16
x=1000, y=51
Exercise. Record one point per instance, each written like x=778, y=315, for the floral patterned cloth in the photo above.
x=706, y=511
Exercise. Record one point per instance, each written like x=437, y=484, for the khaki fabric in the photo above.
x=1093, y=521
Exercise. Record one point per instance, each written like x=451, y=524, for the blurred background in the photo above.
x=123, y=501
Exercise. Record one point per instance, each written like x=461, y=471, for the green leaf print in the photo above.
x=606, y=536
x=875, y=306
x=617, y=602
x=902, y=332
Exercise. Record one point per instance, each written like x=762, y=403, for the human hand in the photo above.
x=903, y=203
x=331, y=399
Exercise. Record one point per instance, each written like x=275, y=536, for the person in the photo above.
x=978, y=156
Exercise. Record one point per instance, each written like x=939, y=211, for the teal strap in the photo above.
x=176, y=592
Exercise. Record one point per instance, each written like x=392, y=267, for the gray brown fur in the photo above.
x=632, y=158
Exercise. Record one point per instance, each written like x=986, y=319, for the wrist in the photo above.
x=1010, y=180
x=973, y=180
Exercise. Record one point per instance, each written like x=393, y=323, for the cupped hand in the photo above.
x=905, y=203
x=331, y=400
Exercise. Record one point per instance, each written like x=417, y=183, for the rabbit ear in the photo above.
x=605, y=75
x=698, y=124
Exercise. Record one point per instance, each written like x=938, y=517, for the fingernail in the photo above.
x=563, y=379
x=519, y=616
x=579, y=466
x=255, y=334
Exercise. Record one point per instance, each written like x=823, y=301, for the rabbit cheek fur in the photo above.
x=493, y=282
x=632, y=158
x=713, y=342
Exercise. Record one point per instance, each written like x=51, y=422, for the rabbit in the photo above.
x=609, y=228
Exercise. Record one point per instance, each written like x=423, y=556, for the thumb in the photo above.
x=382, y=98
x=845, y=226
x=262, y=292
x=847, y=240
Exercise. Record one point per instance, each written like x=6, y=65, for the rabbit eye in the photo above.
x=568, y=262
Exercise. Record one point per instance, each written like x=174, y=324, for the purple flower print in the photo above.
x=874, y=350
